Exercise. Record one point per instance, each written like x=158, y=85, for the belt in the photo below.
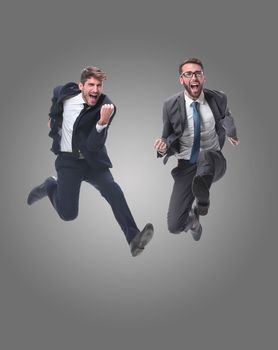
x=74, y=155
x=183, y=161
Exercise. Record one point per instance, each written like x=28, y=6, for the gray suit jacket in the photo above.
x=175, y=119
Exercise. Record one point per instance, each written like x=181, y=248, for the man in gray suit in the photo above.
x=195, y=125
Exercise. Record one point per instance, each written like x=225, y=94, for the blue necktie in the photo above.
x=197, y=133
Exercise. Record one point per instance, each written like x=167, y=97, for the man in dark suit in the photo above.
x=79, y=120
x=195, y=125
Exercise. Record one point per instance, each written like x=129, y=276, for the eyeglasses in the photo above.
x=189, y=74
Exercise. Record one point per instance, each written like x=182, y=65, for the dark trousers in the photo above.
x=211, y=166
x=64, y=194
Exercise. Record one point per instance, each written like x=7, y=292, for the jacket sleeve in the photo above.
x=227, y=120
x=166, y=128
x=229, y=124
x=56, y=93
x=56, y=110
x=169, y=136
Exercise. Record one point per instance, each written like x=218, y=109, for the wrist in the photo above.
x=100, y=122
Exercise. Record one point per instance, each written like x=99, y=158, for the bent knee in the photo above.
x=68, y=216
x=175, y=227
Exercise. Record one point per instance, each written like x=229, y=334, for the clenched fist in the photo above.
x=106, y=112
x=160, y=146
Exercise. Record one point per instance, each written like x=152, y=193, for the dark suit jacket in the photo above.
x=85, y=137
x=175, y=119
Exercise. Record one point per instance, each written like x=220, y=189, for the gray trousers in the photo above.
x=211, y=166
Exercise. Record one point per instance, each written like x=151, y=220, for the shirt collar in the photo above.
x=80, y=99
x=189, y=100
x=77, y=99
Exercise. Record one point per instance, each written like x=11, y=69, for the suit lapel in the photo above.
x=182, y=118
x=91, y=114
x=213, y=105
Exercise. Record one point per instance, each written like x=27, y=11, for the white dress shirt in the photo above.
x=71, y=111
x=209, y=138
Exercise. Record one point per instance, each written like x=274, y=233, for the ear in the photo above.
x=80, y=85
x=181, y=80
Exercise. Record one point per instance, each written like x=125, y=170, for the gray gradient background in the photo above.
x=74, y=285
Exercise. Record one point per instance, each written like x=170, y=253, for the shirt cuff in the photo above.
x=100, y=127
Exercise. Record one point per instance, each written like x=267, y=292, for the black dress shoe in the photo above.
x=189, y=220
x=196, y=228
x=201, y=192
x=142, y=238
x=39, y=192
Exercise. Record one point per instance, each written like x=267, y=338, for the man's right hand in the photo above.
x=160, y=146
x=106, y=113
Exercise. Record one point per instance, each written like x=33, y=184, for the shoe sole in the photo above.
x=147, y=235
x=202, y=209
x=32, y=199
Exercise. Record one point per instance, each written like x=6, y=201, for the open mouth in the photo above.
x=93, y=98
x=194, y=87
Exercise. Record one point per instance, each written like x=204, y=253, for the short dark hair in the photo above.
x=190, y=60
x=92, y=72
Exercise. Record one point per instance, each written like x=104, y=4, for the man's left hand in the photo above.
x=234, y=141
